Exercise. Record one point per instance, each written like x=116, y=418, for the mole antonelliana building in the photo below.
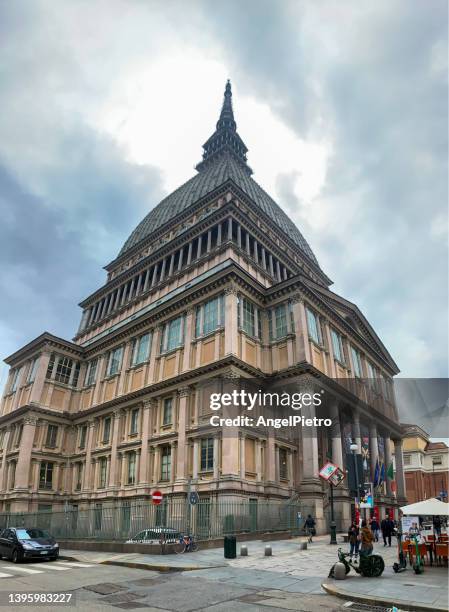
x=216, y=282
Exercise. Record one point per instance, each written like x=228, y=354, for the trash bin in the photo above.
x=230, y=547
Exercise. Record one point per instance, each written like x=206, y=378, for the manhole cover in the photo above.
x=123, y=597
x=105, y=588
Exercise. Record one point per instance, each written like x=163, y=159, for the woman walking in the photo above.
x=367, y=540
x=354, y=542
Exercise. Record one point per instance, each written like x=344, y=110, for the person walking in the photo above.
x=387, y=528
x=374, y=525
x=310, y=527
x=367, y=539
x=437, y=525
x=353, y=539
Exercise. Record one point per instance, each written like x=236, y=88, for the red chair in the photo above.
x=442, y=552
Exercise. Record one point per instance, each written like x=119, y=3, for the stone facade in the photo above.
x=215, y=283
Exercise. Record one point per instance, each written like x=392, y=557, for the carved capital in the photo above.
x=184, y=391
x=231, y=290
x=296, y=298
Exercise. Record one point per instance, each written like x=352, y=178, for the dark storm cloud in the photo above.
x=370, y=77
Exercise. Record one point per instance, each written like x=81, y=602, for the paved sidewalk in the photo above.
x=291, y=571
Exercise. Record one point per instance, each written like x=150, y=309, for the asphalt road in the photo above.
x=102, y=587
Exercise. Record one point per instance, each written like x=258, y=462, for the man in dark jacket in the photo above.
x=387, y=528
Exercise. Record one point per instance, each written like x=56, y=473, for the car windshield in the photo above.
x=31, y=534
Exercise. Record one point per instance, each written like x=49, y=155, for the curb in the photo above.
x=372, y=600
x=159, y=568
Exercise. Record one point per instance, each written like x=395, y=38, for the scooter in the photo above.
x=402, y=565
x=418, y=567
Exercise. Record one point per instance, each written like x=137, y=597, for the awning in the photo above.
x=430, y=507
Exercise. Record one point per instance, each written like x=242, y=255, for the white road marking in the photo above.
x=53, y=567
x=26, y=570
x=75, y=565
x=5, y=575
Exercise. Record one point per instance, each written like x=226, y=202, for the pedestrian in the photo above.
x=437, y=525
x=387, y=528
x=310, y=527
x=353, y=539
x=374, y=525
x=366, y=539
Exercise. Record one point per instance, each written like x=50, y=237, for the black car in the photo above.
x=20, y=543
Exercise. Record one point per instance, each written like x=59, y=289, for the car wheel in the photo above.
x=16, y=557
x=54, y=558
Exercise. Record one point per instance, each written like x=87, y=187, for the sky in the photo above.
x=343, y=105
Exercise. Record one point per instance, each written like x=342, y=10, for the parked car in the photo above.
x=20, y=543
x=155, y=535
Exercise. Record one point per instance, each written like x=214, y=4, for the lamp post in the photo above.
x=354, y=448
x=333, y=524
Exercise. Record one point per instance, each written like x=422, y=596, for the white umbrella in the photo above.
x=430, y=507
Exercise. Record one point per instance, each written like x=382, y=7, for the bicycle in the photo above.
x=187, y=543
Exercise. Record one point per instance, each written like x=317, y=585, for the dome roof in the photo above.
x=224, y=159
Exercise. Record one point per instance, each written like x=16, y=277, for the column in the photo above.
x=196, y=453
x=39, y=381
x=387, y=447
x=231, y=332
x=139, y=283
x=181, y=459
x=155, y=343
x=302, y=347
x=180, y=257
x=356, y=436
x=258, y=460
x=230, y=228
x=374, y=448
x=216, y=458
x=146, y=281
x=198, y=249
x=114, y=444
x=256, y=252
x=242, y=455
x=154, y=279
x=209, y=241
x=219, y=234
x=277, y=465
x=187, y=340
x=157, y=454
x=173, y=455
x=25, y=450
x=337, y=449
x=278, y=270
x=270, y=263
x=123, y=373
x=399, y=476
x=248, y=248
x=189, y=253
x=124, y=466
x=143, y=468
x=89, y=445
x=239, y=235
x=164, y=263
x=172, y=264
x=5, y=449
x=264, y=261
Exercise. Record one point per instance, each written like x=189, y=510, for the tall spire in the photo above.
x=225, y=138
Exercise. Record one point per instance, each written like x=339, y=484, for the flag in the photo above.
x=376, y=474
x=382, y=474
x=390, y=472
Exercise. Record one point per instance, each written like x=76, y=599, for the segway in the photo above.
x=418, y=566
x=402, y=565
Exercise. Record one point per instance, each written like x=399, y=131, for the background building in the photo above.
x=426, y=465
x=216, y=283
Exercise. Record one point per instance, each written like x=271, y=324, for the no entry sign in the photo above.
x=156, y=497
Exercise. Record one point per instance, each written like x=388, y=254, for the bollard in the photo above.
x=268, y=551
x=244, y=551
x=230, y=547
x=339, y=571
x=303, y=546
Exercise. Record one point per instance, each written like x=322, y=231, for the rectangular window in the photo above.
x=52, y=434
x=19, y=434
x=46, y=475
x=115, y=361
x=407, y=459
x=246, y=317
x=209, y=316
x=167, y=416
x=283, y=464
x=91, y=372
x=103, y=472
x=76, y=374
x=173, y=334
x=83, y=436
x=357, y=362
x=165, y=463
x=387, y=388
x=33, y=369
x=372, y=376
x=64, y=370
x=79, y=476
x=141, y=349
x=51, y=365
x=337, y=345
x=313, y=326
x=15, y=379
x=134, y=421
x=280, y=326
x=207, y=454
x=437, y=460
x=106, y=430
x=131, y=468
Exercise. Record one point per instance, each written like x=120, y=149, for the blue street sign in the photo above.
x=194, y=498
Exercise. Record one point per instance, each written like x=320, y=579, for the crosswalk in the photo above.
x=14, y=570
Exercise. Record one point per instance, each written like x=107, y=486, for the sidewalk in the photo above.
x=294, y=571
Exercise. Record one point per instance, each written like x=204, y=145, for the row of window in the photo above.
x=339, y=347
x=31, y=368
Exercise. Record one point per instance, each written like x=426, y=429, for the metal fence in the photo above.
x=208, y=519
